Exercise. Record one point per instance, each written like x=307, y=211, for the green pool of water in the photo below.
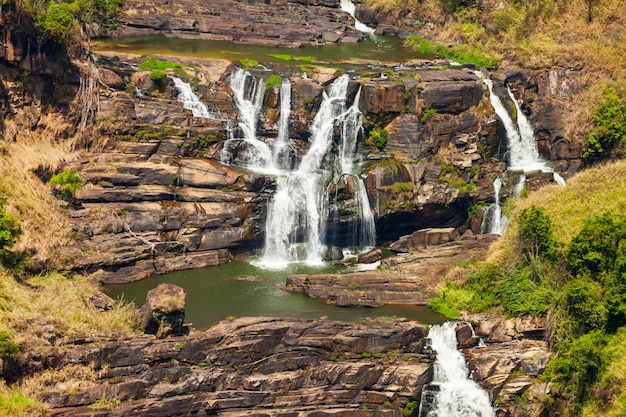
x=221, y=292
x=380, y=48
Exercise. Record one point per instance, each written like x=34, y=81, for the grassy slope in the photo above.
x=546, y=33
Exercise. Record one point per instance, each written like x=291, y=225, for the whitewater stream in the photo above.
x=458, y=394
x=523, y=157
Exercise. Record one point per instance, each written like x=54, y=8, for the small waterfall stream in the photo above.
x=454, y=393
x=523, y=156
x=298, y=213
x=191, y=101
x=349, y=7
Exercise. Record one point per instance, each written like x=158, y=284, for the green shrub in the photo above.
x=536, y=237
x=378, y=136
x=10, y=231
x=66, y=183
x=249, y=63
x=610, y=127
x=430, y=112
x=8, y=348
x=273, y=80
x=584, y=303
x=159, y=77
x=57, y=22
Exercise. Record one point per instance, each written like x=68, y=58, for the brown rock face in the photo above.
x=252, y=366
x=289, y=24
x=163, y=314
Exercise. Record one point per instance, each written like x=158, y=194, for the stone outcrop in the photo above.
x=163, y=314
x=260, y=366
x=289, y=23
x=508, y=365
x=409, y=279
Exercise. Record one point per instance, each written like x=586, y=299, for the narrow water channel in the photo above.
x=240, y=289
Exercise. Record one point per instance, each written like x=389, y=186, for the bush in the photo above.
x=536, y=237
x=57, y=22
x=378, y=137
x=430, y=112
x=610, y=127
x=596, y=248
x=10, y=231
x=66, y=183
x=8, y=348
x=459, y=53
x=273, y=80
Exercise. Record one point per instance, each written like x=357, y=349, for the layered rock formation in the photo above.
x=249, y=367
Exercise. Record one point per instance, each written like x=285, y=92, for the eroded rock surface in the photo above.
x=252, y=366
x=406, y=279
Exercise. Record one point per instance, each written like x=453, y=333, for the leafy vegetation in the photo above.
x=66, y=183
x=462, y=53
x=159, y=67
x=377, y=137
x=57, y=20
x=430, y=112
x=610, y=127
x=285, y=57
x=272, y=81
x=578, y=277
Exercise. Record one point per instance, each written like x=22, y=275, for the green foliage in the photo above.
x=583, y=302
x=536, y=237
x=598, y=245
x=66, y=183
x=10, y=231
x=577, y=365
x=56, y=20
x=158, y=68
x=410, y=409
x=430, y=112
x=249, y=63
x=15, y=404
x=285, y=57
x=8, y=348
x=273, y=80
x=378, y=137
x=459, y=53
x=610, y=127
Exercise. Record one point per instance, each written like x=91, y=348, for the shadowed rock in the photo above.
x=164, y=312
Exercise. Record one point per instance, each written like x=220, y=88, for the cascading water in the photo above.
x=191, y=101
x=458, y=395
x=280, y=152
x=298, y=213
x=523, y=154
x=349, y=7
x=248, y=96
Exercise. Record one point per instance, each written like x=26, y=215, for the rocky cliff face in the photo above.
x=247, y=367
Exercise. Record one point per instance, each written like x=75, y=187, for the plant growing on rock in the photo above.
x=66, y=183
x=377, y=137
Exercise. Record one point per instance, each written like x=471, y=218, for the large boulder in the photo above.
x=164, y=312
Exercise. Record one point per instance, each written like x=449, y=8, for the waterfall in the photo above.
x=350, y=8
x=248, y=97
x=281, y=147
x=298, y=212
x=190, y=100
x=523, y=153
x=458, y=395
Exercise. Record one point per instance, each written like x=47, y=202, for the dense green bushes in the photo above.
x=66, y=183
x=610, y=128
x=55, y=20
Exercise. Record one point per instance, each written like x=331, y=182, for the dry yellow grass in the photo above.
x=28, y=198
x=57, y=305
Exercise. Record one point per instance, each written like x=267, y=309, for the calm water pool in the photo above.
x=223, y=291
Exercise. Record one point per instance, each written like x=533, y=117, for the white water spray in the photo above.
x=280, y=152
x=459, y=395
x=298, y=213
x=350, y=8
x=190, y=100
x=523, y=153
x=248, y=96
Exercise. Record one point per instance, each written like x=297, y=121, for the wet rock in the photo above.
x=163, y=313
x=371, y=256
x=465, y=336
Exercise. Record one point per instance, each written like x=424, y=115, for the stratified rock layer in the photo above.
x=252, y=366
